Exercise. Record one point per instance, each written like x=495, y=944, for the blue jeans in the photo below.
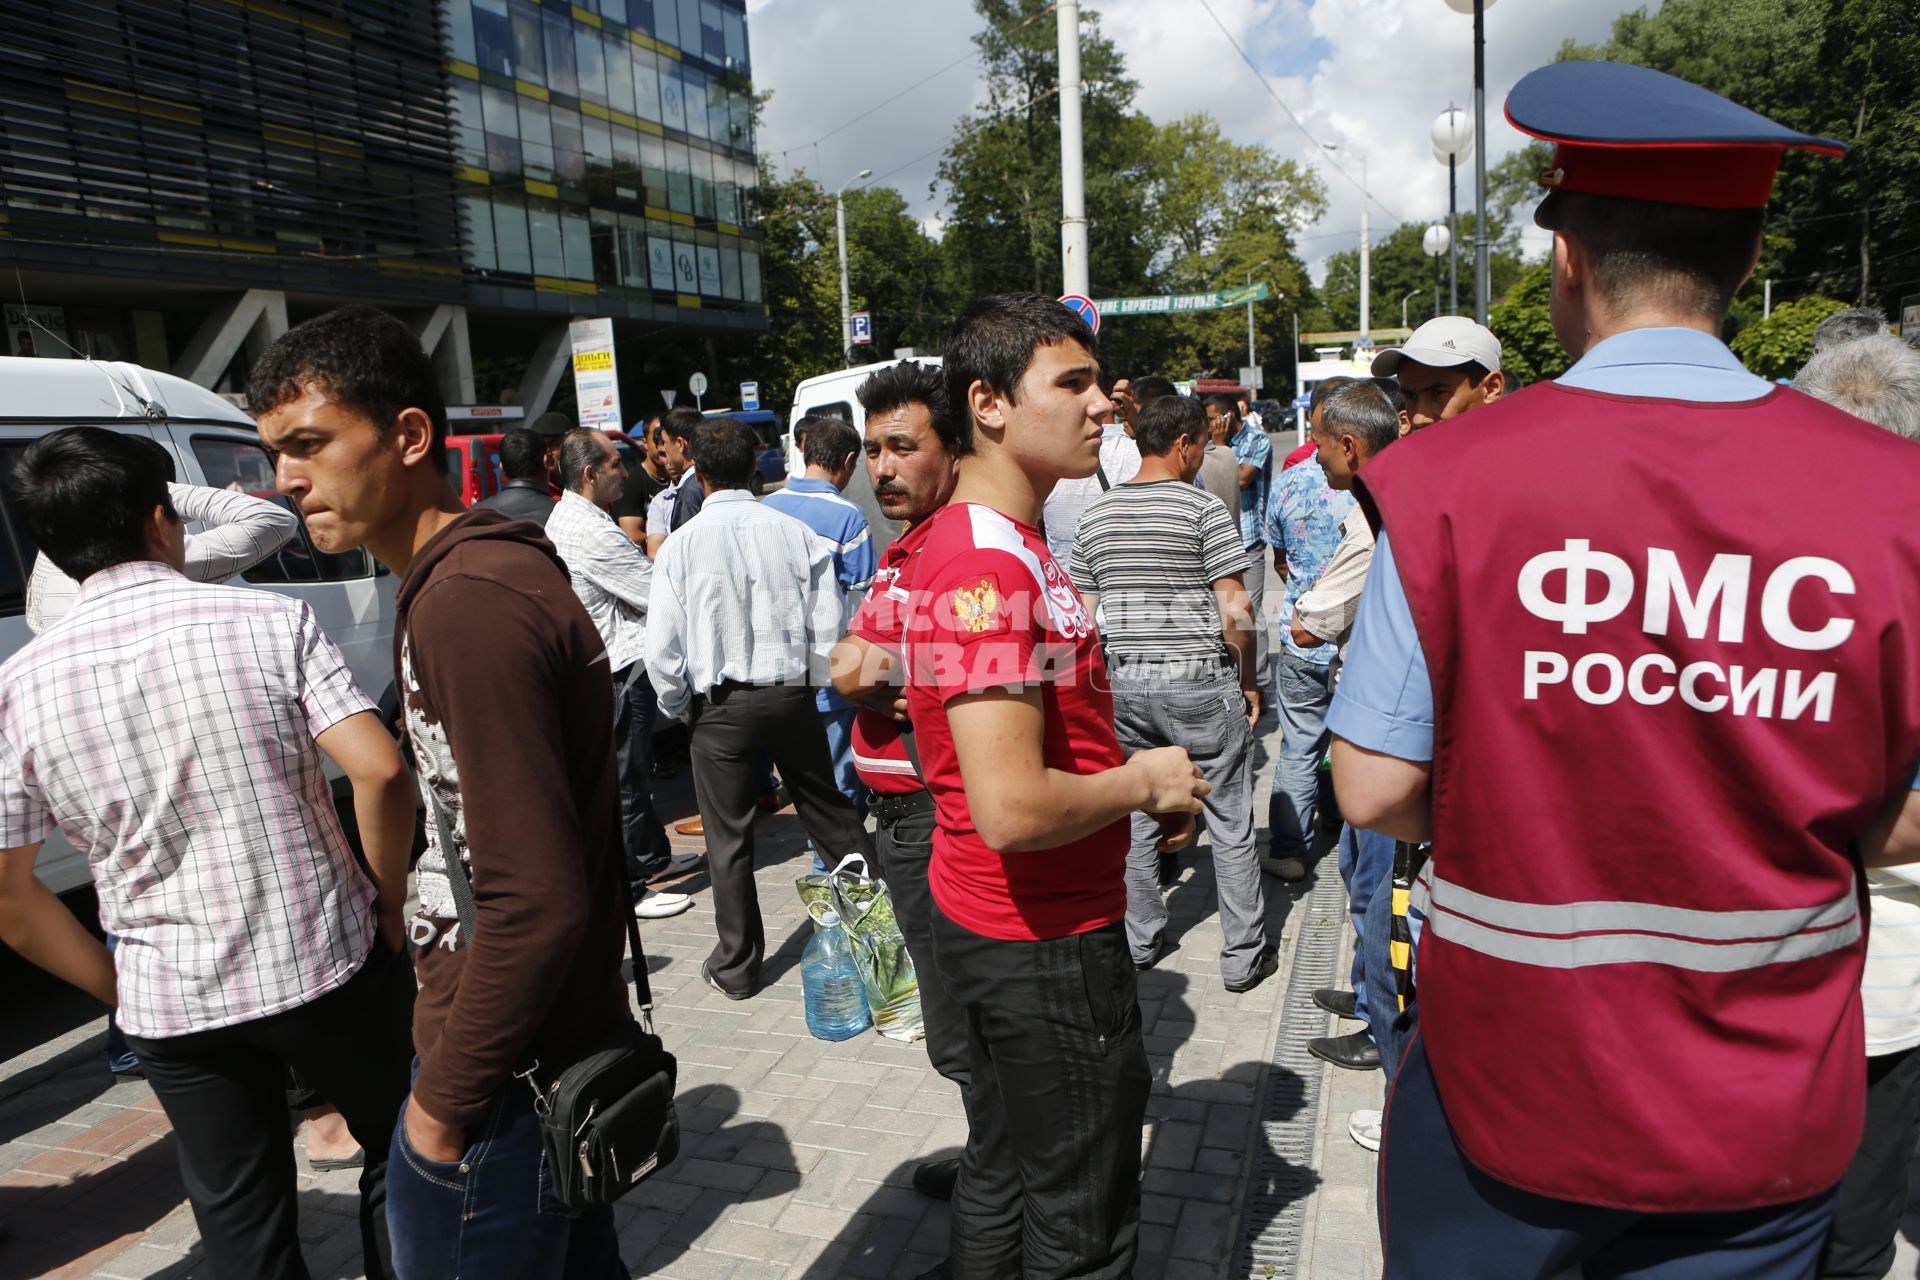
x=491, y=1213
x=1377, y=991
x=1441, y=1218
x=1303, y=694
x=839, y=727
x=1366, y=859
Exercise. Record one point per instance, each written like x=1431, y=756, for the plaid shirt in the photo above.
x=612, y=577
x=167, y=728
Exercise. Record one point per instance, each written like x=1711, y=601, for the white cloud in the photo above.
x=1367, y=75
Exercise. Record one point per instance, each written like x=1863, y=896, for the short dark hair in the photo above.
x=1221, y=400
x=994, y=341
x=1324, y=388
x=682, y=422
x=912, y=382
x=523, y=455
x=554, y=425
x=86, y=494
x=581, y=448
x=723, y=452
x=1397, y=399
x=360, y=358
x=1151, y=387
x=1689, y=258
x=829, y=441
x=1359, y=409
x=1166, y=420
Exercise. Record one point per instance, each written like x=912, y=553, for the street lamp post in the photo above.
x=1403, y=308
x=1482, y=279
x=1438, y=240
x=1366, y=249
x=840, y=230
x=1452, y=142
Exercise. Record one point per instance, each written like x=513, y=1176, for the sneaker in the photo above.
x=1284, y=868
x=658, y=906
x=1364, y=1128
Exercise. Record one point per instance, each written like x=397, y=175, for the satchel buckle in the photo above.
x=541, y=1106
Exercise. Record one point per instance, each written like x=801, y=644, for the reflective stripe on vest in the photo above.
x=1577, y=934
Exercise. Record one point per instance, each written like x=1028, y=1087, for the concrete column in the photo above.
x=552, y=359
x=443, y=335
x=251, y=320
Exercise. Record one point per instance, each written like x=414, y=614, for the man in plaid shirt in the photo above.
x=174, y=732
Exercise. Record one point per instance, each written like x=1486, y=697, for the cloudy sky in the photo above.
x=1367, y=75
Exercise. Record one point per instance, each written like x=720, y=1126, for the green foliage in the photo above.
x=1399, y=266
x=1843, y=69
x=1529, y=351
x=1777, y=346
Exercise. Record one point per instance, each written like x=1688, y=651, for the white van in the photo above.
x=832, y=395
x=212, y=443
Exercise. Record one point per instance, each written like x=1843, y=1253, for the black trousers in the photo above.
x=904, y=847
x=1873, y=1195
x=1050, y=1184
x=225, y=1092
x=732, y=726
x=641, y=831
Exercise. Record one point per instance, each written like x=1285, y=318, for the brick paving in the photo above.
x=797, y=1153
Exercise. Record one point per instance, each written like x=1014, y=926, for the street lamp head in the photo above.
x=1437, y=240
x=863, y=175
x=1452, y=135
x=1466, y=6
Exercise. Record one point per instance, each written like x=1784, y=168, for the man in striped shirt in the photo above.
x=1173, y=612
x=839, y=527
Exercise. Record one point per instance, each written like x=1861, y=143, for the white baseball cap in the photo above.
x=1441, y=343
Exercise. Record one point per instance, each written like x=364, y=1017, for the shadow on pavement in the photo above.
x=667, y=1214
x=59, y=1223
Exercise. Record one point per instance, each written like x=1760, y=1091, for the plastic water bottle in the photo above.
x=830, y=981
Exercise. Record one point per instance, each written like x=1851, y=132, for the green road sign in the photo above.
x=1176, y=303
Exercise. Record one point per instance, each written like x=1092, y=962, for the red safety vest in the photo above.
x=1675, y=655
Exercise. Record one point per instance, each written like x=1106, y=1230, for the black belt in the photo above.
x=893, y=806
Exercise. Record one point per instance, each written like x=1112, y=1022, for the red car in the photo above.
x=473, y=462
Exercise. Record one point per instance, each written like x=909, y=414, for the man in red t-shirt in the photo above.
x=1007, y=692
x=912, y=450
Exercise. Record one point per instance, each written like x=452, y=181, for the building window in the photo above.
x=679, y=178
x=590, y=64
x=460, y=30
x=730, y=273
x=696, y=100
x=750, y=274
x=690, y=26
x=569, y=147
x=660, y=263
x=469, y=129
x=561, y=77
x=529, y=63
x=510, y=234
x=577, y=239
x=653, y=168
x=713, y=36
x=666, y=21
x=492, y=36
x=709, y=259
x=646, y=85
x=479, y=219
x=736, y=37
x=686, y=276
x=549, y=255
x=501, y=110
x=619, y=74
x=536, y=137
x=673, y=97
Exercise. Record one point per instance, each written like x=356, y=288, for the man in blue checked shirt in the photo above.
x=815, y=499
x=1254, y=452
x=1301, y=521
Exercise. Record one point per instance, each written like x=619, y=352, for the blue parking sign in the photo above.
x=749, y=395
x=862, y=327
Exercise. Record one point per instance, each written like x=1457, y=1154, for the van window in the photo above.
x=838, y=409
x=244, y=467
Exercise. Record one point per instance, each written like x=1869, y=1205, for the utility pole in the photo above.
x=1482, y=273
x=1074, y=269
x=1366, y=260
x=840, y=230
x=1251, y=362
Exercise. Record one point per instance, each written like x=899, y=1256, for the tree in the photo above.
x=1529, y=351
x=1843, y=69
x=1399, y=266
x=1777, y=346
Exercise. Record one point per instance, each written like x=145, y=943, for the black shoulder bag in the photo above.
x=607, y=1118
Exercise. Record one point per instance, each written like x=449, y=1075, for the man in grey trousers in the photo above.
x=1173, y=612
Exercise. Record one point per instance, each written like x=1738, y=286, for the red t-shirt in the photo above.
x=990, y=609
x=879, y=756
x=1299, y=455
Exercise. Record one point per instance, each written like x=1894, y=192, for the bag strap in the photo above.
x=1101, y=471
x=913, y=752
x=462, y=886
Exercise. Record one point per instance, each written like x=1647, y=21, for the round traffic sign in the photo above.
x=697, y=384
x=1083, y=307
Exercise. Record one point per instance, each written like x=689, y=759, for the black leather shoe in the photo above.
x=1335, y=1001
x=1265, y=967
x=714, y=982
x=936, y=1178
x=938, y=1271
x=1356, y=1052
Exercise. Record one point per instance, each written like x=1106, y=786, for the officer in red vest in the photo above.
x=1653, y=724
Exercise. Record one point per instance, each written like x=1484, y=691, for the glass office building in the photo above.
x=520, y=162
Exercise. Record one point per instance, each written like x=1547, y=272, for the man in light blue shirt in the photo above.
x=833, y=450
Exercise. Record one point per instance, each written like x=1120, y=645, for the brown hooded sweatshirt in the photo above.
x=508, y=704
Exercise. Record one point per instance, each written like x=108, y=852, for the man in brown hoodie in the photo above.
x=507, y=702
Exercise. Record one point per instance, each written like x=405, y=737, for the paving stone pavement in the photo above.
x=798, y=1153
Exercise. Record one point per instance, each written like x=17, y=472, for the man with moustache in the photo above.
x=911, y=457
